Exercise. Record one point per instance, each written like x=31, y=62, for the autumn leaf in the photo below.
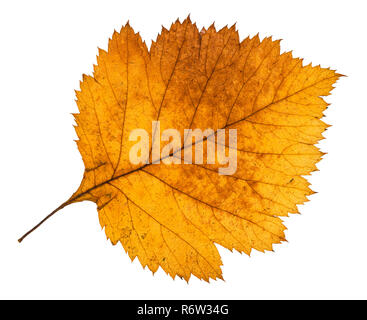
x=171, y=216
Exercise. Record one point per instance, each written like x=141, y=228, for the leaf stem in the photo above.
x=66, y=203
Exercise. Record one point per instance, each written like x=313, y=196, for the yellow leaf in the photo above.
x=171, y=215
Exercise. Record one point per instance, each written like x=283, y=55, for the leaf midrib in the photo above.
x=76, y=197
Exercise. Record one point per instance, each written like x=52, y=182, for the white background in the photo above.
x=46, y=46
